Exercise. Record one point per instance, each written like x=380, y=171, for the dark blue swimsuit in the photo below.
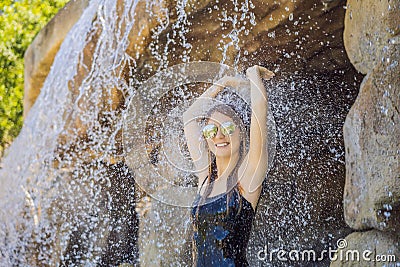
x=220, y=239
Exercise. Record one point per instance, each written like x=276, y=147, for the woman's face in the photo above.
x=223, y=145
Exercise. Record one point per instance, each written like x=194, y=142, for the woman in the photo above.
x=230, y=178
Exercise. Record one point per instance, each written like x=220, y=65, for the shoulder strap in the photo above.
x=205, y=179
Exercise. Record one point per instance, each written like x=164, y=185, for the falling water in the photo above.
x=68, y=197
x=54, y=178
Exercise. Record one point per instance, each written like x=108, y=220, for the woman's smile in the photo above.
x=222, y=145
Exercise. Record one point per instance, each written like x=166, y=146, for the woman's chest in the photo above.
x=220, y=210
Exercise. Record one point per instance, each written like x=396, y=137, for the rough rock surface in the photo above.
x=370, y=248
x=369, y=26
x=372, y=139
x=40, y=54
x=372, y=131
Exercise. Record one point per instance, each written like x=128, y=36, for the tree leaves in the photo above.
x=20, y=21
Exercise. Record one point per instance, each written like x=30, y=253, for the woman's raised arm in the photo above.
x=254, y=167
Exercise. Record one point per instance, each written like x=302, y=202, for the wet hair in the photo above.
x=234, y=107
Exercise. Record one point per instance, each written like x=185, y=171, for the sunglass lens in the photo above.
x=209, y=131
x=228, y=128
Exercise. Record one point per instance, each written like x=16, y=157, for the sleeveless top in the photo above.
x=220, y=238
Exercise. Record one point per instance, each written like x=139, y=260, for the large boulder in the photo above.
x=369, y=26
x=372, y=133
x=372, y=139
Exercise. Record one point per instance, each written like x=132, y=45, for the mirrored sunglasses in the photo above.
x=211, y=130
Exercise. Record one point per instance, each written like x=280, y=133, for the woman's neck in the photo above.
x=225, y=165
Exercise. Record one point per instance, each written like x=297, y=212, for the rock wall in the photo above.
x=40, y=54
x=372, y=132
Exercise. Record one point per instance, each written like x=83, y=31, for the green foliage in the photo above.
x=20, y=21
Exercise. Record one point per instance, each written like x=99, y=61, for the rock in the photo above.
x=40, y=54
x=371, y=248
x=369, y=24
x=108, y=219
x=372, y=140
x=164, y=234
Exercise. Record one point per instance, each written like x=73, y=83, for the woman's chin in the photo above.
x=223, y=152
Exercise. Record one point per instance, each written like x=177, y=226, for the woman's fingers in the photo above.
x=265, y=73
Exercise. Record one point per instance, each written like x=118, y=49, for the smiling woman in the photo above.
x=230, y=169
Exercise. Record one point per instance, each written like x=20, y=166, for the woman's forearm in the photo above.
x=259, y=108
x=258, y=93
x=199, y=104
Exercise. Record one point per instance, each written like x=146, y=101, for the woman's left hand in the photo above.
x=262, y=72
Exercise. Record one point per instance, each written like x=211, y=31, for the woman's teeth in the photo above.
x=221, y=144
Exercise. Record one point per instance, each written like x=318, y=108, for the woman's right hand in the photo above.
x=229, y=81
x=226, y=81
x=203, y=101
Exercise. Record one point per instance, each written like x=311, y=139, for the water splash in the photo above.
x=69, y=199
x=63, y=173
x=240, y=22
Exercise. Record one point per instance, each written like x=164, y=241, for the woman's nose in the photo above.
x=219, y=133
